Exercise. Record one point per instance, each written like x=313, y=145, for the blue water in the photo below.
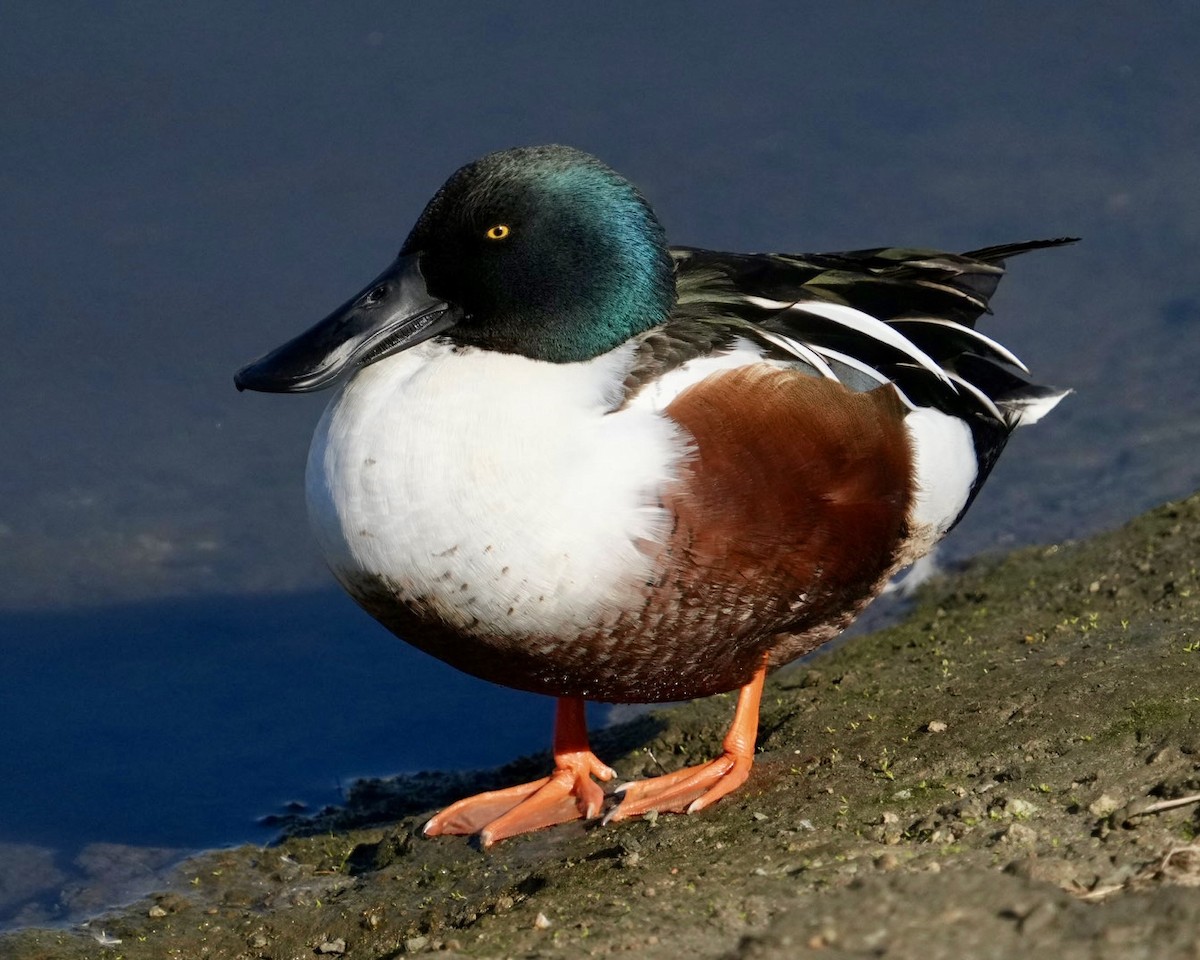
x=184, y=186
x=152, y=717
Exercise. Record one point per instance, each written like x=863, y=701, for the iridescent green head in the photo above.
x=547, y=252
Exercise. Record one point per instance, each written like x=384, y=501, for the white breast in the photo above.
x=493, y=486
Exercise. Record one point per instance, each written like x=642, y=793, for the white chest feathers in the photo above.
x=494, y=487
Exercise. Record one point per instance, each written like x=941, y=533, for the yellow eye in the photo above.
x=498, y=232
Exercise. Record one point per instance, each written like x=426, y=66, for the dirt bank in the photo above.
x=992, y=778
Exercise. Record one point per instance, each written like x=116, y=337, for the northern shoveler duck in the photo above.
x=566, y=457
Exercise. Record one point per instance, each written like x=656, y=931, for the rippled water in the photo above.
x=183, y=187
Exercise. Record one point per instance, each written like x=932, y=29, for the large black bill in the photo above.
x=392, y=314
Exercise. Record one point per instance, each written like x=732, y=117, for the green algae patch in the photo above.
x=1008, y=771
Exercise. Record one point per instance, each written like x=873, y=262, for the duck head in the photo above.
x=539, y=251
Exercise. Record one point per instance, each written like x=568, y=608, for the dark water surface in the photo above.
x=184, y=186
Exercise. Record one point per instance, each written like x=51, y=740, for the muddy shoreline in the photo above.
x=993, y=777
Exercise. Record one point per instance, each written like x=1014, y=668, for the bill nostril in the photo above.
x=373, y=296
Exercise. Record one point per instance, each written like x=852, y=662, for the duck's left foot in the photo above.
x=569, y=793
x=694, y=788
x=684, y=791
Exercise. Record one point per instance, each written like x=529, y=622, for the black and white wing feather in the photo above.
x=865, y=318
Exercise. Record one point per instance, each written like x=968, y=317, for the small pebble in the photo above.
x=936, y=726
x=826, y=938
x=1018, y=833
x=1102, y=806
x=541, y=922
x=1040, y=917
x=156, y=911
x=887, y=862
x=336, y=947
x=415, y=944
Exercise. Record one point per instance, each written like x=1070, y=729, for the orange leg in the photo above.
x=694, y=788
x=569, y=793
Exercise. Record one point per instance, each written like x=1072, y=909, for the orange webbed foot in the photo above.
x=684, y=791
x=694, y=788
x=569, y=793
